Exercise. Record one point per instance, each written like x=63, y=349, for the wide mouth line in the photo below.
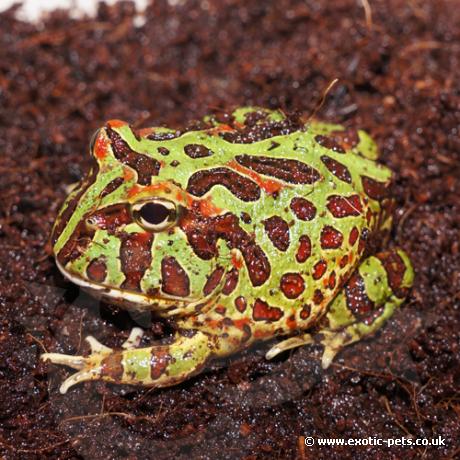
x=131, y=296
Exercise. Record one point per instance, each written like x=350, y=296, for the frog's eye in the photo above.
x=155, y=215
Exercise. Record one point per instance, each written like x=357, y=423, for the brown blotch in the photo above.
x=135, y=258
x=363, y=240
x=354, y=235
x=76, y=244
x=213, y=280
x=261, y=311
x=159, y=361
x=348, y=138
x=112, y=367
x=395, y=268
x=303, y=209
x=332, y=280
x=331, y=238
x=278, y=231
x=242, y=187
x=111, y=186
x=357, y=300
x=197, y=151
x=319, y=269
x=305, y=312
x=292, y=285
x=304, y=250
x=292, y=171
x=375, y=189
x=220, y=309
x=203, y=232
x=231, y=280
x=240, y=304
x=163, y=151
x=145, y=166
x=343, y=261
x=344, y=206
x=97, y=270
x=111, y=218
x=318, y=296
x=174, y=279
x=338, y=169
x=329, y=143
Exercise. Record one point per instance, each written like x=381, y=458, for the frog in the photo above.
x=246, y=228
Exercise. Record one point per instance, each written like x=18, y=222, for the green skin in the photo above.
x=348, y=299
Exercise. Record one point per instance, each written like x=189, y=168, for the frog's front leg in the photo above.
x=368, y=299
x=155, y=366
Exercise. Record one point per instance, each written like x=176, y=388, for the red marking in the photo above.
x=240, y=304
x=267, y=185
x=291, y=322
x=159, y=186
x=264, y=312
x=220, y=129
x=240, y=323
x=220, y=309
x=343, y=261
x=305, y=312
x=344, y=206
x=303, y=209
x=116, y=123
x=207, y=208
x=318, y=297
x=128, y=174
x=354, y=234
x=304, y=250
x=100, y=146
x=331, y=238
x=292, y=285
x=319, y=269
x=332, y=280
x=237, y=261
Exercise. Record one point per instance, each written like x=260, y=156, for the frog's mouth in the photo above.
x=163, y=304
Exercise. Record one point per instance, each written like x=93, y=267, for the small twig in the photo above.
x=38, y=341
x=322, y=100
x=367, y=12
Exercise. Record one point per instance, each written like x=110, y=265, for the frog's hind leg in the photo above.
x=371, y=295
x=155, y=366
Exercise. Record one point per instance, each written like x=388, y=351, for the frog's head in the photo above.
x=140, y=231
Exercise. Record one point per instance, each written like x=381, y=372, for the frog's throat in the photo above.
x=164, y=305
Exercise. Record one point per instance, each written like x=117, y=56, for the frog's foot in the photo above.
x=371, y=295
x=156, y=366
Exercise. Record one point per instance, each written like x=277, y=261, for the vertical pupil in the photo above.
x=154, y=213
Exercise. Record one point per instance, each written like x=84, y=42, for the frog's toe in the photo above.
x=89, y=367
x=289, y=344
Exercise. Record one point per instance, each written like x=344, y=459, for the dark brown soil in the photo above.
x=399, y=79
